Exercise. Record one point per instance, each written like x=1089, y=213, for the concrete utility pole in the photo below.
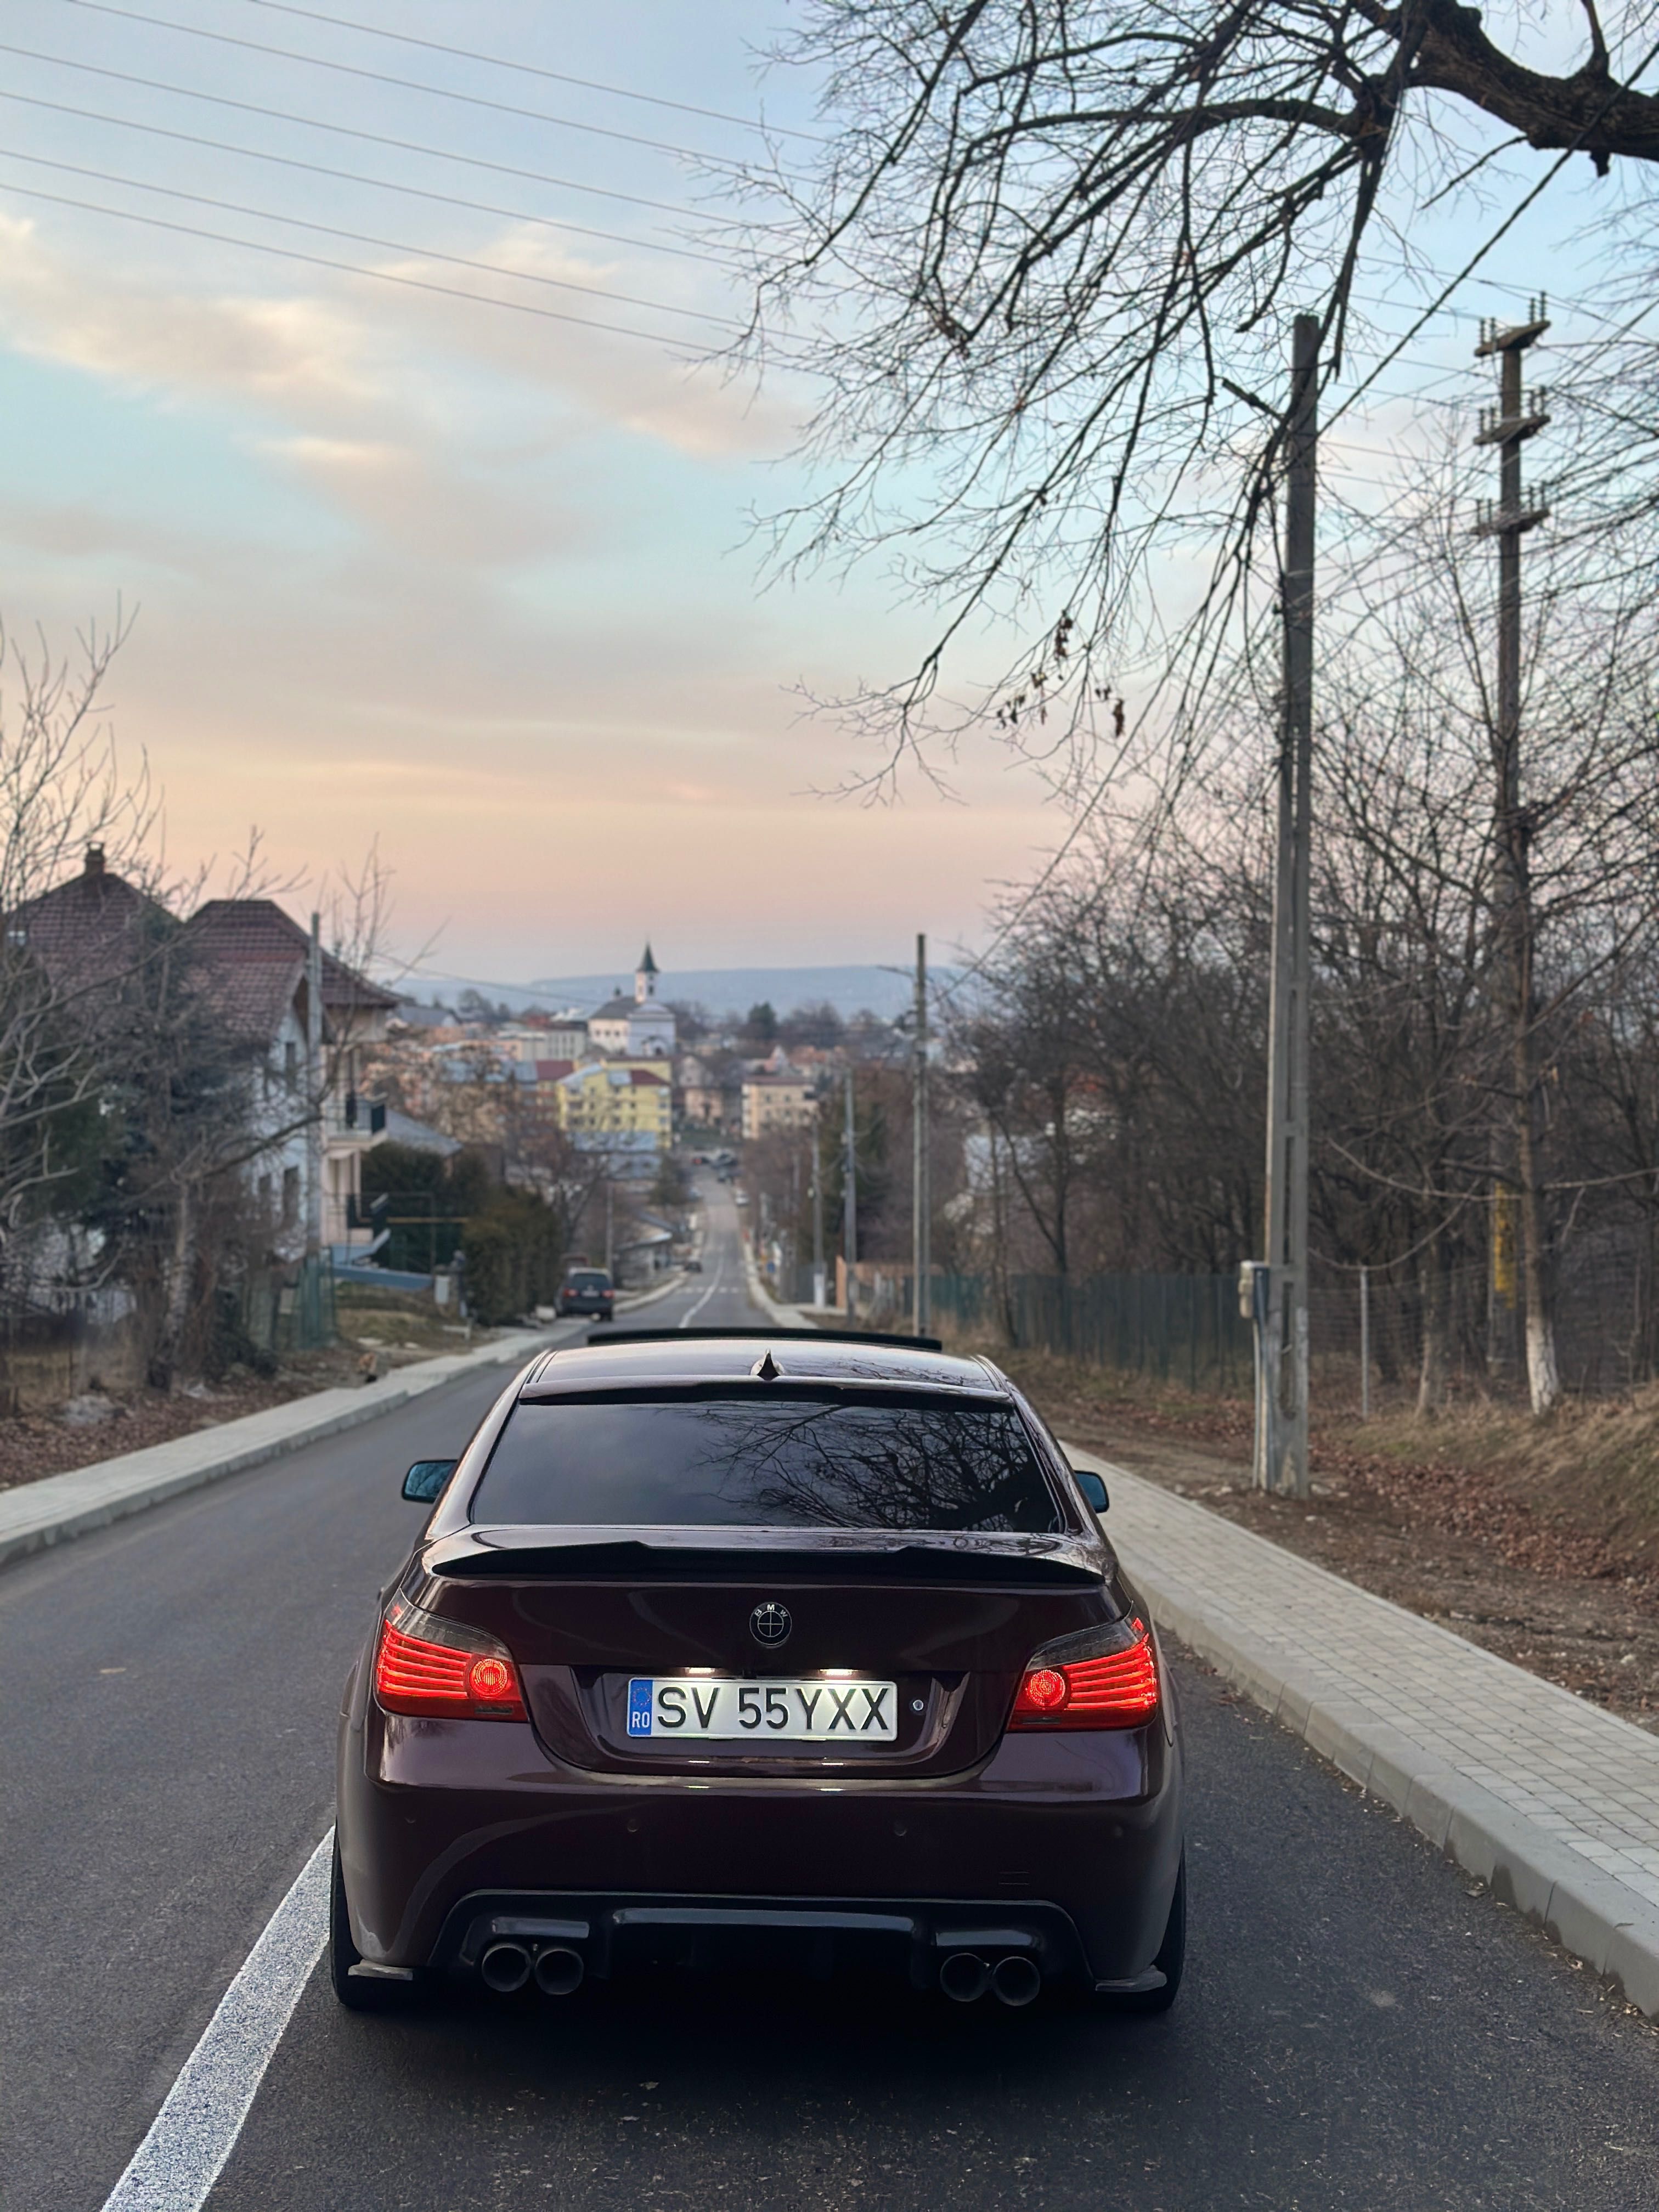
x=1280, y=1304
x=314, y=1091
x=921, y=1239
x=818, y=1217
x=850, y=1241
x=1518, y=415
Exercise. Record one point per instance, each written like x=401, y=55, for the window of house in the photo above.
x=290, y=1192
x=290, y=1066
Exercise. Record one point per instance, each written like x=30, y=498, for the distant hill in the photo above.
x=850, y=990
x=735, y=990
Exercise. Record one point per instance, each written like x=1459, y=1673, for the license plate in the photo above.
x=682, y=1707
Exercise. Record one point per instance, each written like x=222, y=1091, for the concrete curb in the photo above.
x=37, y=1513
x=1588, y=1912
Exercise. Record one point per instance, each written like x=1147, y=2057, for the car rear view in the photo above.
x=761, y=1650
x=587, y=1291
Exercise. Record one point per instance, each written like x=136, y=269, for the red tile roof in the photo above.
x=257, y=931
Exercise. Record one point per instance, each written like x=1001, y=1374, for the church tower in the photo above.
x=645, y=978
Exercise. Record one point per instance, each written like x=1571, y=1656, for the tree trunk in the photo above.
x=1543, y=1382
x=1431, y=1374
x=176, y=1280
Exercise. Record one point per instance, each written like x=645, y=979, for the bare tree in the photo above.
x=1044, y=267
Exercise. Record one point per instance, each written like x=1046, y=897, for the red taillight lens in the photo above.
x=1116, y=1689
x=469, y=1679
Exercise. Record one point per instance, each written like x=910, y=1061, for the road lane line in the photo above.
x=686, y=1320
x=194, y=2133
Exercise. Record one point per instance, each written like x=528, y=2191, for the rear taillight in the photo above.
x=432, y=1667
x=1069, y=1686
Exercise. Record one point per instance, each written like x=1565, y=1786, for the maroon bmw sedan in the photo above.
x=725, y=1648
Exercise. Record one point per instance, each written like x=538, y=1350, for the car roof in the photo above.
x=678, y=1361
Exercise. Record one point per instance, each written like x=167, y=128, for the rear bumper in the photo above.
x=1075, y=1838
x=817, y=1936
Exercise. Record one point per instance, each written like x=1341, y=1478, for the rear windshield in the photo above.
x=742, y=1463
x=587, y=1278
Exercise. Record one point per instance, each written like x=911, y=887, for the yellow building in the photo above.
x=617, y=1098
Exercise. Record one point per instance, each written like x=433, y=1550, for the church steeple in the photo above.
x=645, y=978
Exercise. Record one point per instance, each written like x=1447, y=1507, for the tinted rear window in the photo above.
x=588, y=1279
x=793, y=1463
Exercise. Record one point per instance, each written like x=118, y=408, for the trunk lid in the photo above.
x=950, y=1619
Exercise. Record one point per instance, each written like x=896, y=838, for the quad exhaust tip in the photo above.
x=505, y=1967
x=965, y=1977
x=1017, y=1980
x=559, y=1971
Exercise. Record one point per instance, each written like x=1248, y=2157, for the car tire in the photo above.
x=1171, y=1960
x=357, y=1992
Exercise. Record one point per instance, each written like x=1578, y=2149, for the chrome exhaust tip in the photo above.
x=559, y=1971
x=1017, y=1980
x=505, y=1967
x=963, y=1975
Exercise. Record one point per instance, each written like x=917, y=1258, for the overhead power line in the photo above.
x=346, y=268
x=1495, y=235
x=534, y=69
x=346, y=130
x=400, y=83
x=356, y=177
x=364, y=238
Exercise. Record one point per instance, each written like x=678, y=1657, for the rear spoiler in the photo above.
x=761, y=1332
x=711, y=1555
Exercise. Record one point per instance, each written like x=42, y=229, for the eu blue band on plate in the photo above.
x=639, y=1708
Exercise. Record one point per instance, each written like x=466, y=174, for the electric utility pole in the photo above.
x=818, y=1216
x=1518, y=415
x=1278, y=1296
x=850, y=1239
x=922, y=1241
x=315, y=1089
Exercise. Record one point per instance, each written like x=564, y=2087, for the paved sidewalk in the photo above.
x=36, y=1514
x=1549, y=1799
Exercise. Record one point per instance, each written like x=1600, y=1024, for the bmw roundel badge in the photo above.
x=769, y=1623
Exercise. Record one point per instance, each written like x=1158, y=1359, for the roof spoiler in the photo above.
x=762, y=1330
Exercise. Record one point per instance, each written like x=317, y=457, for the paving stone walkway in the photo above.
x=1553, y=1800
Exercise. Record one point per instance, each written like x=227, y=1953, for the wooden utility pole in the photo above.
x=1518, y=415
x=1281, y=1410
x=922, y=1241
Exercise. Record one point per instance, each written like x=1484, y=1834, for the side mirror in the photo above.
x=426, y=1479
x=1093, y=1489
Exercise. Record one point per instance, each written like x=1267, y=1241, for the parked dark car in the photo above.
x=723, y=1649
x=587, y=1291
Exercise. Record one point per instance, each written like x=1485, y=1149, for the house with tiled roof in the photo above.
x=256, y=963
x=250, y=961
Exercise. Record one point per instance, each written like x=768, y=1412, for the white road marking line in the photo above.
x=686, y=1320
x=196, y=2129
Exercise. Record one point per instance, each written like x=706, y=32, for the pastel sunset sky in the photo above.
x=465, y=579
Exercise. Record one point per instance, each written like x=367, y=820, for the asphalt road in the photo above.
x=1356, y=2029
